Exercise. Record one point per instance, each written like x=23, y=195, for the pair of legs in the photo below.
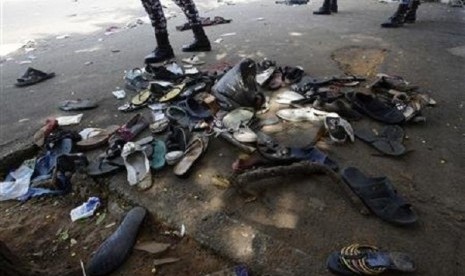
x=164, y=51
x=406, y=13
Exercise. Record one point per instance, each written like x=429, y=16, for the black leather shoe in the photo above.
x=159, y=55
x=199, y=45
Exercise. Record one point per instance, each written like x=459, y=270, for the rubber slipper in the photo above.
x=339, y=129
x=159, y=126
x=306, y=83
x=112, y=253
x=129, y=107
x=177, y=115
x=287, y=97
x=335, y=265
x=158, y=158
x=33, y=76
x=137, y=166
x=388, y=142
x=195, y=109
x=375, y=109
x=380, y=196
x=103, y=166
x=173, y=93
x=274, y=151
x=71, y=105
x=141, y=98
x=303, y=114
x=194, y=150
x=237, y=117
x=173, y=157
x=369, y=260
x=192, y=89
x=124, y=134
x=96, y=138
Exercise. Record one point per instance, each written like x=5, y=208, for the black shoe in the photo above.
x=397, y=20
x=411, y=15
x=201, y=42
x=334, y=6
x=159, y=55
x=198, y=46
x=322, y=11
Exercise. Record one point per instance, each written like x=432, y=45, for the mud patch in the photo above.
x=359, y=61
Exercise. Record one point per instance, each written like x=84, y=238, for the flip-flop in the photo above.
x=33, y=76
x=263, y=77
x=245, y=135
x=380, y=196
x=272, y=150
x=112, y=253
x=141, y=98
x=103, y=166
x=368, y=260
x=375, y=108
x=194, y=150
x=309, y=114
x=97, y=139
x=172, y=93
x=388, y=142
x=158, y=157
x=79, y=104
x=336, y=265
x=276, y=80
x=137, y=166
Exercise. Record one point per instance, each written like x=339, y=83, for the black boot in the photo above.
x=396, y=20
x=333, y=7
x=201, y=42
x=325, y=9
x=411, y=15
x=163, y=51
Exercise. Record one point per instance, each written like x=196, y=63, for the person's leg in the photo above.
x=397, y=19
x=411, y=15
x=334, y=7
x=325, y=9
x=201, y=42
x=163, y=51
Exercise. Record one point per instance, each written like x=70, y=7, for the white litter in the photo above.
x=69, y=120
x=228, y=34
x=62, y=36
x=87, y=209
x=119, y=94
x=191, y=71
x=219, y=40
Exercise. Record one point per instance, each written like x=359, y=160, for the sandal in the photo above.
x=173, y=93
x=142, y=98
x=388, y=142
x=33, y=76
x=368, y=260
x=380, y=196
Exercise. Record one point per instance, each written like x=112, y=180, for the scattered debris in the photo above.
x=85, y=210
x=152, y=247
x=119, y=94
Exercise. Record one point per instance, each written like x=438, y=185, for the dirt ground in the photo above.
x=41, y=232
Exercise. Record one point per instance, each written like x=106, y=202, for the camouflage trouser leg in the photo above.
x=156, y=15
x=189, y=9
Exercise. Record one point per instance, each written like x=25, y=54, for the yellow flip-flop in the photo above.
x=141, y=98
x=173, y=93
